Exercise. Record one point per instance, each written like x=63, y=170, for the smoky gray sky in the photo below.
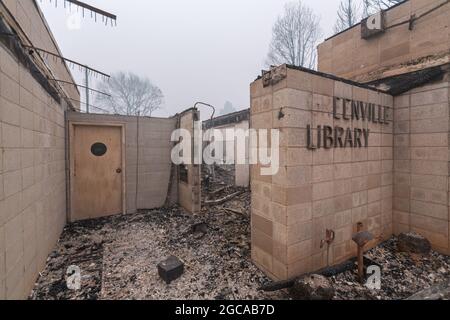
x=194, y=50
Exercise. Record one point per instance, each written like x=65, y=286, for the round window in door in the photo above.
x=99, y=149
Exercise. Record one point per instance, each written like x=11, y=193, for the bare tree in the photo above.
x=348, y=15
x=373, y=6
x=130, y=95
x=295, y=36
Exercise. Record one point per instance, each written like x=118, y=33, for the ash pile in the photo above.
x=118, y=256
x=403, y=276
x=220, y=193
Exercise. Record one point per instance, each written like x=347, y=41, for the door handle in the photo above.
x=119, y=170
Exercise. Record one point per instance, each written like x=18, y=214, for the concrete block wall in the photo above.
x=32, y=177
x=321, y=189
x=32, y=157
x=348, y=55
x=421, y=153
x=147, y=156
x=189, y=193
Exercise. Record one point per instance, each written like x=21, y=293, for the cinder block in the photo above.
x=261, y=104
x=430, y=153
x=322, y=157
x=402, y=101
x=299, y=232
x=432, y=210
x=299, y=213
x=429, y=140
x=262, y=258
x=429, y=126
x=429, y=182
x=299, y=80
x=292, y=196
x=322, y=103
x=342, y=187
x=359, y=214
x=429, y=97
x=359, y=169
x=279, y=269
x=374, y=209
x=343, y=218
x=278, y=213
x=434, y=196
x=323, y=208
x=323, y=190
x=262, y=224
x=402, y=114
x=343, y=203
x=322, y=173
x=292, y=98
x=291, y=118
x=360, y=184
x=342, y=171
x=430, y=112
x=10, y=113
x=300, y=267
x=26, y=98
x=26, y=119
x=12, y=182
x=299, y=251
x=11, y=136
x=293, y=137
x=262, y=241
x=322, y=86
x=293, y=176
x=10, y=89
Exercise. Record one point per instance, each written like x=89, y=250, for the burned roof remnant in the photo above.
x=274, y=76
x=234, y=117
x=400, y=84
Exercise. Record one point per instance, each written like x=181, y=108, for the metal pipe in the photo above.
x=361, y=238
x=207, y=105
x=87, y=90
x=212, y=117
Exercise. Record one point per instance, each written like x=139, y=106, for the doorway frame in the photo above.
x=71, y=160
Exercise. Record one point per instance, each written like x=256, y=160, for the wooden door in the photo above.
x=97, y=172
